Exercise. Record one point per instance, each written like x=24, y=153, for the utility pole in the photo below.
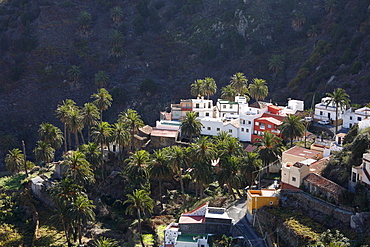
x=25, y=161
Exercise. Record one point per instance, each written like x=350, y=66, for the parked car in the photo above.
x=308, y=119
x=324, y=122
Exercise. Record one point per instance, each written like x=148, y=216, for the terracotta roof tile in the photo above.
x=324, y=183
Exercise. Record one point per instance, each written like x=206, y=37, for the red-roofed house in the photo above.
x=323, y=187
x=267, y=122
x=202, y=220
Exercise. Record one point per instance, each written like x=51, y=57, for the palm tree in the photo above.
x=159, y=168
x=268, y=149
x=312, y=32
x=74, y=73
x=292, y=127
x=228, y=93
x=239, y=83
x=103, y=100
x=116, y=14
x=299, y=20
x=101, y=135
x=90, y=117
x=249, y=165
x=178, y=161
x=341, y=101
x=51, y=134
x=79, y=169
x=228, y=146
x=137, y=168
x=202, y=154
x=61, y=213
x=117, y=39
x=229, y=174
x=258, y=89
x=210, y=87
x=120, y=135
x=105, y=242
x=139, y=202
x=330, y=5
x=92, y=154
x=81, y=211
x=63, y=112
x=191, y=125
x=75, y=123
x=276, y=63
x=44, y=152
x=101, y=79
x=14, y=160
x=133, y=122
x=84, y=20
x=197, y=88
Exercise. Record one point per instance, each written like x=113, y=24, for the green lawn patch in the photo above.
x=12, y=182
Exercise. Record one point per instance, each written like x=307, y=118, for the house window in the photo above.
x=218, y=129
x=354, y=177
x=271, y=203
x=262, y=126
x=256, y=123
x=269, y=126
x=196, y=105
x=209, y=105
x=224, y=106
x=321, y=113
x=231, y=106
x=114, y=148
x=350, y=118
x=208, y=128
x=243, y=121
x=230, y=131
x=249, y=122
x=247, y=130
x=358, y=118
x=207, y=114
x=294, y=179
x=242, y=129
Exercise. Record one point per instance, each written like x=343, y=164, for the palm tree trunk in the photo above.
x=82, y=137
x=69, y=140
x=196, y=189
x=336, y=118
x=76, y=139
x=88, y=133
x=102, y=159
x=231, y=190
x=139, y=228
x=65, y=138
x=182, y=189
x=201, y=191
x=160, y=192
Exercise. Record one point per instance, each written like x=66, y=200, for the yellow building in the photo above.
x=258, y=198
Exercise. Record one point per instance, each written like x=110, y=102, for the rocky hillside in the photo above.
x=152, y=50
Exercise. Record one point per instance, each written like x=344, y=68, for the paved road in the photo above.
x=237, y=213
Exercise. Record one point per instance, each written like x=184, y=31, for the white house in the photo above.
x=361, y=173
x=327, y=112
x=203, y=106
x=364, y=124
x=354, y=116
